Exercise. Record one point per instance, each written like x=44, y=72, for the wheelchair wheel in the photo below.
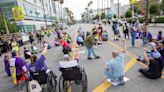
x=62, y=84
x=84, y=82
x=51, y=82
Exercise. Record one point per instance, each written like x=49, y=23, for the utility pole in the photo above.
x=6, y=27
x=107, y=8
x=147, y=11
x=118, y=8
x=44, y=13
x=50, y=10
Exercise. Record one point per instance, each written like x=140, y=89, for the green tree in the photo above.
x=154, y=9
x=12, y=26
x=162, y=6
x=96, y=17
x=115, y=16
x=138, y=11
x=103, y=16
x=128, y=13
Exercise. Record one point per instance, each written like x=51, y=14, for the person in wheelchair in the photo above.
x=37, y=68
x=70, y=68
x=71, y=74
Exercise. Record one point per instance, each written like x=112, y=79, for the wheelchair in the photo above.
x=73, y=76
x=49, y=79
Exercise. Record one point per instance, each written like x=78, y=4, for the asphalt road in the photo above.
x=95, y=68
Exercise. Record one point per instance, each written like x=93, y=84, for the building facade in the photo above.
x=37, y=13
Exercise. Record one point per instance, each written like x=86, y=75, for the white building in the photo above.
x=37, y=13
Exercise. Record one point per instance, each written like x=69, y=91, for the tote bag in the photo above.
x=34, y=86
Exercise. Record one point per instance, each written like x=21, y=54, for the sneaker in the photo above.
x=138, y=59
x=19, y=87
x=97, y=57
x=89, y=58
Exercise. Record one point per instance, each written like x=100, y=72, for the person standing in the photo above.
x=115, y=30
x=134, y=29
x=19, y=64
x=39, y=40
x=125, y=30
x=31, y=37
x=100, y=28
x=89, y=43
x=81, y=32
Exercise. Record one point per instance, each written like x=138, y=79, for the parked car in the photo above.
x=25, y=37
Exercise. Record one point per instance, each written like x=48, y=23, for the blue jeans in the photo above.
x=144, y=39
x=91, y=50
x=133, y=35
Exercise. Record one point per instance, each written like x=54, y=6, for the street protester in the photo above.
x=34, y=47
x=59, y=32
x=145, y=35
x=114, y=69
x=7, y=64
x=134, y=29
x=14, y=45
x=159, y=36
x=81, y=32
x=161, y=49
x=115, y=30
x=67, y=48
x=100, y=30
x=39, y=38
x=56, y=42
x=67, y=37
x=125, y=30
x=89, y=43
x=155, y=65
x=31, y=37
x=38, y=65
x=18, y=69
x=79, y=40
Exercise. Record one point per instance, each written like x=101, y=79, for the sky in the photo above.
x=78, y=6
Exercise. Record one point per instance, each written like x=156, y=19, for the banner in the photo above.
x=132, y=1
x=18, y=13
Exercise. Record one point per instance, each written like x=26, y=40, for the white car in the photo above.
x=25, y=37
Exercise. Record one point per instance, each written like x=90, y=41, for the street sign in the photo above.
x=18, y=13
x=132, y=1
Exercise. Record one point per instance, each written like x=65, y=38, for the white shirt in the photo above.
x=68, y=64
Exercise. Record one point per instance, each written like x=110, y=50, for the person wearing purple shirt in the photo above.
x=159, y=37
x=20, y=65
x=37, y=65
x=7, y=64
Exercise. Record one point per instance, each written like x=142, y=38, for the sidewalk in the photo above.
x=157, y=25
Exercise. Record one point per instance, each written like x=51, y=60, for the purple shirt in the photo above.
x=38, y=65
x=20, y=62
x=159, y=37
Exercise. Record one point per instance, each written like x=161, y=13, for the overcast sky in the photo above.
x=78, y=6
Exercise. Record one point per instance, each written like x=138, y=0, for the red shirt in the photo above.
x=65, y=43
